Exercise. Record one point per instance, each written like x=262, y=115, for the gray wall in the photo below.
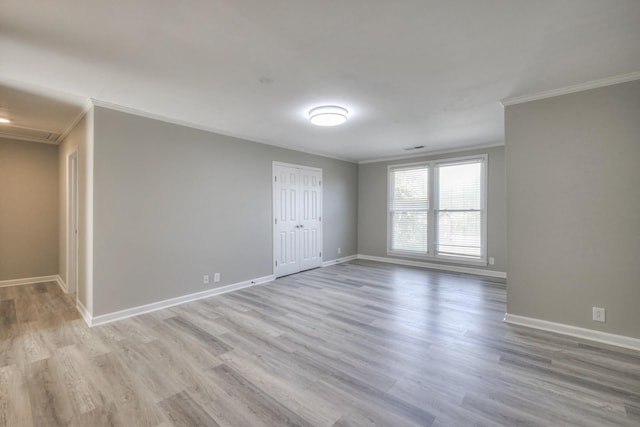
x=79, y=140
x=173, y=203
x=573, y=203
x=372, y=206
x=28, y=209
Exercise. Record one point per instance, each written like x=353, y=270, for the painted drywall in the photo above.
x=79, y=140
x=28, y=209
x=174, y=203
x=573, y=197
x=372, y=206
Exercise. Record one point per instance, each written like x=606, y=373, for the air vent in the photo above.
x=417, y=147
x=29, y=134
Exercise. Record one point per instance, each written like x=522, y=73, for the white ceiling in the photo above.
x=411, y=72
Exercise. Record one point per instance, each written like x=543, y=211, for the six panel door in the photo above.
x=297, y=198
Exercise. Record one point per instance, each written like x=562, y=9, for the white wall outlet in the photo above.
x=492, y=260
x=205, y=279
x=598, y=314
x=339, y=251
x=216, y=277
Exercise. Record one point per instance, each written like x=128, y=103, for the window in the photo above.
x=459, y=214
x=437, y=210
x=409, y=209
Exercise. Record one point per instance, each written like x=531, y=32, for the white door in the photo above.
x=297, y=210
x=286, y=221
x=310, y=219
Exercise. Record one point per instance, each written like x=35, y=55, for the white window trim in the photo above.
x=433, y=209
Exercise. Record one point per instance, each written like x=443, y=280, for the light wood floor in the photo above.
x=356, y=344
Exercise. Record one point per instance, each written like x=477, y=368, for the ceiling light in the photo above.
x=4, y=120
x=329, y=115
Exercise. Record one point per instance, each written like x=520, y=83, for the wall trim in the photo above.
x=434, y=152
x=574, y=331
x=88, y=225
x=433, y=266
x=62, y=284
x=86, y=106
x=179, y=122
x=30, y=280
x=339, y=260
x=593, y=84
x=83, y=312
x=6, y=135
x=147, y=308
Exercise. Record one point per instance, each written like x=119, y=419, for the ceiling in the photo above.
x=411, y=73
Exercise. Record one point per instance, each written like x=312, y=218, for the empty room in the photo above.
x=356, y=213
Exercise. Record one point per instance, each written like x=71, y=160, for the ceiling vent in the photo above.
x=29, y=134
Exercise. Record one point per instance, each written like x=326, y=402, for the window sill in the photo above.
x=443, y=259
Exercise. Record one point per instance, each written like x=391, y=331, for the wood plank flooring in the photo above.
x=356, y=344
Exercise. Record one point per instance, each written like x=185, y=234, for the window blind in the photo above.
x=409, y=208
x=459, y=213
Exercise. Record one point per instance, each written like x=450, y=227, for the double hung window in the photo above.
x=437, y=209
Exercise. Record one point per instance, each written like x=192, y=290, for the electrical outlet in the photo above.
x=598, y=314
x=339, y=251
x=205, y=279
x=216, y=277
x=492, y=260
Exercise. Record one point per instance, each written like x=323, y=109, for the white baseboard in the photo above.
x=433, y=266
x=339, y=260
x=62, y=284
x=83, y=312
x=29, y=280
x=147, y=308
x=574, y=331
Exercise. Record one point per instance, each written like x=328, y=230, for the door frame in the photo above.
x=72, y=223
x=275, y=164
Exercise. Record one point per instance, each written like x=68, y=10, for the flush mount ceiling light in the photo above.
x=329, y=115
x=4, y=120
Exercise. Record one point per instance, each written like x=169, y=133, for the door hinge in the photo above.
x=320, y=253
x=276, y=263
x=319, y=218
x=319, y=183
x=275, y=179
x=276, y=220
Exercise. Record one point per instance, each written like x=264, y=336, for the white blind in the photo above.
x=408, y=209
x=459, y=215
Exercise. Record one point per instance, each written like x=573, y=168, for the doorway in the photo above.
x=297, y=218
x=72, y=225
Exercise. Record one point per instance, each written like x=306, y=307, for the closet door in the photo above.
x=297, y=210
x=286, y=188
x=310, y=219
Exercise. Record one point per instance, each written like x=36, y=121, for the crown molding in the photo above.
x=572, y=89
x=88, y=105
x=166, y=119
x=434, y=153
